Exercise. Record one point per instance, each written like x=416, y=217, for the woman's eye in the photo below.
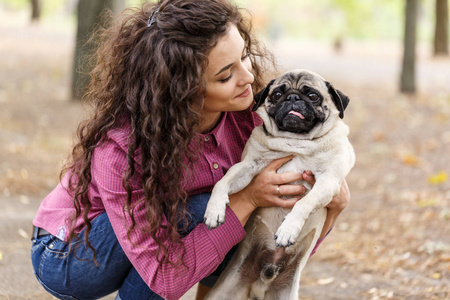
x=226, y=79
x=276, y=96
x=313, y=96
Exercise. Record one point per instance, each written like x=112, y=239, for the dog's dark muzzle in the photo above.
x=294, y=114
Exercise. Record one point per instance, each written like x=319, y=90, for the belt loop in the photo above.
x=35, y=233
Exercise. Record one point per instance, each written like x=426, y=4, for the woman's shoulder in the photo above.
x=114, y=147
x=120, y=134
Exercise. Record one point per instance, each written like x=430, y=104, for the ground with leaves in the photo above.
x=393, y=240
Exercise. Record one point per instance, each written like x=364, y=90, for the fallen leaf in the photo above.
x=24, y=200
x=379, y=136
x=426, y=202
x=325, y=281
x=436, y=275
x=1, y=255
x=444, y=257
x=23, y=233
x=438, y=178
x=444, y=214
x=410, y=159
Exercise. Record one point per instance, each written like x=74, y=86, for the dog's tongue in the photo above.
x=295, y=113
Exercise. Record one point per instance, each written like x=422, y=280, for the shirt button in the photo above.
x=207, y=138
x=215, y=166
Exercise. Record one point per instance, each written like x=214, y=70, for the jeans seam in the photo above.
x=44, y=256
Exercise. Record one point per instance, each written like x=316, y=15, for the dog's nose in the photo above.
x=293, y=97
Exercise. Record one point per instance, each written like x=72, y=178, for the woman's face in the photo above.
x=228, y=78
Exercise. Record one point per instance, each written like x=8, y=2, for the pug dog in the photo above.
x=302, y=116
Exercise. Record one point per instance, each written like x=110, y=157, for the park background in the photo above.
x=393, y=239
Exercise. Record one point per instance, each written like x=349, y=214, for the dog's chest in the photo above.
x=300, y=163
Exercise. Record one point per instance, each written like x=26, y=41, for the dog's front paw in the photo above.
x=215, y=211
x=288, y=232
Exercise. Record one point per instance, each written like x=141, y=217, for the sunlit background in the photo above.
x=393, y=240
x=299, y=19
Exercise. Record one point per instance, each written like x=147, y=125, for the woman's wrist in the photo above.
x=241, y=207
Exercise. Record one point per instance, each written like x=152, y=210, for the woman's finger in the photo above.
x=288, y=177
x=308, y=176
x=285, y=203
x=277, y=163
x=290, y=190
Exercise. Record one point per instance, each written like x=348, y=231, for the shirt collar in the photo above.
x=218, y=133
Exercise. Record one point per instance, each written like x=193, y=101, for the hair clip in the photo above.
x=152, y=18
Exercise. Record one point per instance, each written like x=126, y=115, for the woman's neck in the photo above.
x=209, y=122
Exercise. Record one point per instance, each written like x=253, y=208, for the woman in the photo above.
x=172, y=89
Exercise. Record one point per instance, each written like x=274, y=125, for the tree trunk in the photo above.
x=408, y=83
x=89, y=17
x=441, y=29
x=35, y=10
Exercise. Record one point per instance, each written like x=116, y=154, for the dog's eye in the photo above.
x=277, y=95
x=313, y=96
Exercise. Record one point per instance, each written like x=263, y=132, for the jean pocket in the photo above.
x=56, y=247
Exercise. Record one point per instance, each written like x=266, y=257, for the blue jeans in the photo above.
x=69, y=275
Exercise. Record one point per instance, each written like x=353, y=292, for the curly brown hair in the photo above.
x=152, y=77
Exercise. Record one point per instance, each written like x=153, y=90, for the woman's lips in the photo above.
x=245, y=93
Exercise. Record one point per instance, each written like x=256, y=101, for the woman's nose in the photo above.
x=246, y=76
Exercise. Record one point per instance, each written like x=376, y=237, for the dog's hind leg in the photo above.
x=230, y=284
x=229, y=288
x=308, y=239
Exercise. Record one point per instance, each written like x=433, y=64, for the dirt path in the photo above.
x=392, y=242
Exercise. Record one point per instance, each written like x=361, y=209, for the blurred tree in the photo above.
x=89, y=15
x=441, y=28
x=35, y=10
x=408, y=82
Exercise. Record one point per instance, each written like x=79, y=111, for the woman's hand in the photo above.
x=266, y=189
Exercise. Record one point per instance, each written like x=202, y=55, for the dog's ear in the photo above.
x=262, y=95
x=339, y=99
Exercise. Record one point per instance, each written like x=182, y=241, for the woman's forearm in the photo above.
x=332, y=216
x=335, y=207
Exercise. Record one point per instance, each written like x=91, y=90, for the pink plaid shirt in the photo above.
x=205, y=248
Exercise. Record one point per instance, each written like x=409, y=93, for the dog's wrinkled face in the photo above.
x=299, y=100
x=296, y=103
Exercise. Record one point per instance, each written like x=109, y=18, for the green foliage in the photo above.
x=317, y=19
x=16, y=4
x=329, y=19
x=48, y=7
